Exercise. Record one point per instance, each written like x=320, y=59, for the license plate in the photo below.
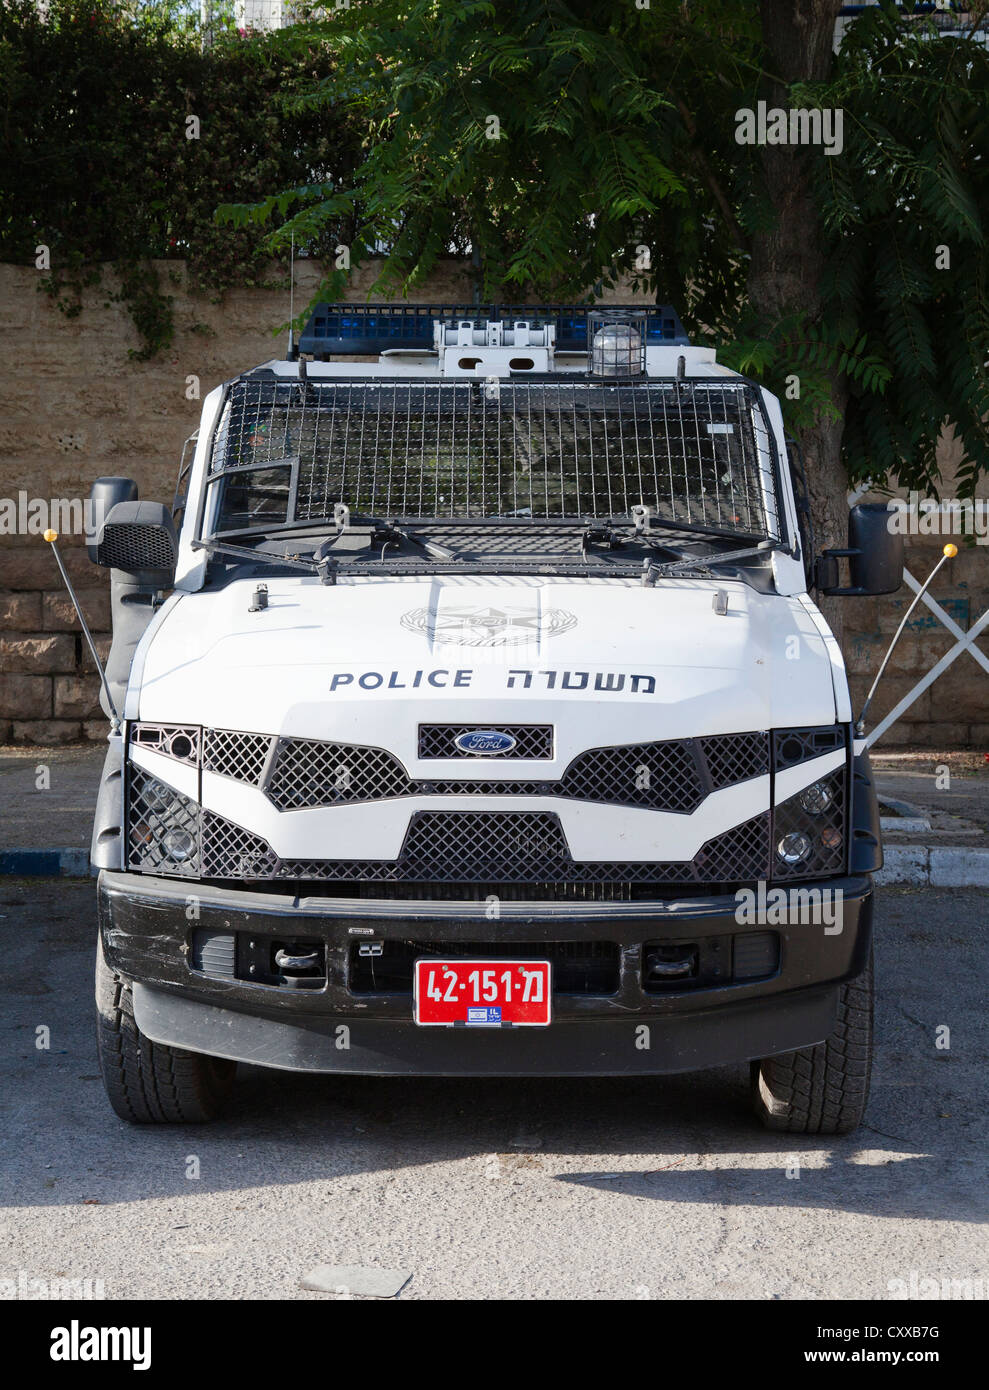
x=482, y=993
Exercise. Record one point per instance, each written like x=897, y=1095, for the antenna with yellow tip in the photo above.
x=51, y=537
x=948, y=553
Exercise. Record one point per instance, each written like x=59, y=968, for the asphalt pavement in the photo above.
x=544, y=1189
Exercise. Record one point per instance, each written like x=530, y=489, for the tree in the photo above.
x=559, y=142
x=120, y=133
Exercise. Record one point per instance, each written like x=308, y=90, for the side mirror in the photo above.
x=139, y=538
x=104, y=494
x=874, y=554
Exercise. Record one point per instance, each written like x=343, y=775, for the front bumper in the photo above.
x=150, y=929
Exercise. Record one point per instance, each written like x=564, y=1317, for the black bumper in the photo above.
x=150, y=928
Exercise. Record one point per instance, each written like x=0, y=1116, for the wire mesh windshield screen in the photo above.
x=695, y=452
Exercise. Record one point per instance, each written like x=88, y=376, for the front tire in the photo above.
x=147, y=1082
x=822, y=1089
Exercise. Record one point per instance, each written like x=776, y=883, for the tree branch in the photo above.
x=707, y=173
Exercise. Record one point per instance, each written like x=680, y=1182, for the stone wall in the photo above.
x=74, y=405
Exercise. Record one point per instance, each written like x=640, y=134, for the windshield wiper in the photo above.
x=645, y=522
x=386, y=533
x=322, y=565
x=703, y=565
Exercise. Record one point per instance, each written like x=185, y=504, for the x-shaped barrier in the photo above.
x=965, y=641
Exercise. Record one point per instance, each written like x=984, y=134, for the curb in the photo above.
x=912, y=865
x=950, y=867
x=44, y=863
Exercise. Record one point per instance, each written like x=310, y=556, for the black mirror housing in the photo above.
x=139, y=538
x=104, y=495
x=874, y=554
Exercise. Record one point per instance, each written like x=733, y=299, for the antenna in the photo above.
x=950, y=551
x=51, y=537
x=291, y=300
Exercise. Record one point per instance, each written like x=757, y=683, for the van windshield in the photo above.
x=542, y=451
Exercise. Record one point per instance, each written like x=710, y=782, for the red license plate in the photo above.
x=482, y=993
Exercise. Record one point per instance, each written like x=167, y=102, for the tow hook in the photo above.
x=285, y=961
x=671, y=963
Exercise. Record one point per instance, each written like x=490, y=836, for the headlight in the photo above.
x=158, y=797
x=809, y=830
x=178, y=845
x=794, y=848
x=816, y=799
x=162, y=826
x=178, y=741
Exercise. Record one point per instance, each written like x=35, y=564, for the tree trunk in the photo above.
x=786, y=265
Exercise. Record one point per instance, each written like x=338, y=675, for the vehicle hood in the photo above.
x=367, y=661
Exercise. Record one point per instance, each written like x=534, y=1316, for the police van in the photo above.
x=471, y=715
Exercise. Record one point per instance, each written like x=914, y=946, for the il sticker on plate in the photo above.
x=482, y=993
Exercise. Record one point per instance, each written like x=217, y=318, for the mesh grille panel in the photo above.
x=792, y=746
x=531, y=740
x=171, y=740
x=486, y=845
x=232, y=852
x=659, y=775
x=735, y=758
x=155, y=811
x=667, y=776
x=737, y=854
x=308, y=772
x=791, y=818
x=126, y=546
x=231, y=754
x=692, y=451
x=490, y=847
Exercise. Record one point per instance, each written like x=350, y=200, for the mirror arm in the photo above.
x=835, y=590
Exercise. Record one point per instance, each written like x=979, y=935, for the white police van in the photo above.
x=477, y=720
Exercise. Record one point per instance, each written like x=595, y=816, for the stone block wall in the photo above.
x=74, y=405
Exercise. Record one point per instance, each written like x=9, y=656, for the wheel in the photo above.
x=147, y=1082
x=822, y=1089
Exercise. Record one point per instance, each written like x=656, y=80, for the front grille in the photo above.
x=459, y=890
x=577, y=967
x=674, y=775
x=531, y=740
x=487, y=847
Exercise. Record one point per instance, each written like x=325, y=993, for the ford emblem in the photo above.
x=485, y=742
